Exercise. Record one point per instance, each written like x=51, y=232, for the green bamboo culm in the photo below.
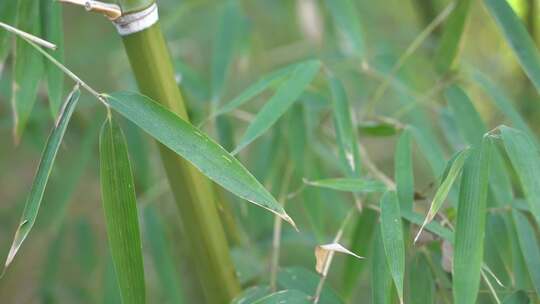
x=194, y=194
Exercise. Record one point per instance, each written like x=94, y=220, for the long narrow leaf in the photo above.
x=357, y=185
x=403, y=172
x=120, y=206
x=381, y=279
x=8, y=15
x=517, y=36
x=278, y=104
x=347, y=20
x=42, y=176
x=530, y=249
x=523, y=154
x=184, y=139
x=451, y=38
x=28, y=68
x=470, y=226
x=264, y=83
x=392, y=238
x=442, y=192
x=345, y=132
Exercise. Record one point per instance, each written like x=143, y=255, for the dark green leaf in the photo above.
x=381, y=279
x=306, y=281
x=190, y=143
x=52, y=28
x=8, y=14
x=120, y=206
x=28, y=67
x=46, y=163
x=450, y=41
x=517, y=36
x=289, y=296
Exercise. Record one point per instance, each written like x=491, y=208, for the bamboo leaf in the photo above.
x=52, y=28
x=523, y=154
x=361, y=243
x=285, y=96
x=46, y=163
x=518, y=297
x=503, y=103
x=28, y=68
x=289, y=296
x=347, y=20
x=265, y=82
x=422, y=283
x=454, y=27
x=345, y=132
x=306, y=281
x=404, y=174
x=530, y=249
x=381, y=279
x=470, y=226
x=517, y=37
x=165, y=268
x=357, y=185
x=470, y=123
x=120, y=206
x=379, y=128
x=185, y=140
x=251, y=294
x=392, y=239
x=434, y=226
x=323, y=252
x=456, y=164
x=225, y=43
x=8, y=15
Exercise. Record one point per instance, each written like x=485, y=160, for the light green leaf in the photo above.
x=422, y=283
x=120, y=206
x=470, y=226
x=379, y=128
x=224, y=46
x=361, y=244
x=357, y=185
x=470, y=123
x=381, y=279
x=525, y=159
x=518, y=297
x=403, y=172
x=450, y=41
x=456, y=164
x=517, y=36
x=503, y=103
x=28, y=68
x=163, y=262
x=346, y=135
x=8, y=14
x=289, y=296
x=392, y=238
x=306, y=281
x=264, y=83
x=52, y=28
x=46, y=163
x=184, y=139
x=251, y=294
x=347, y=20
x=285, y=96
x=434, y=226
x=530, y=249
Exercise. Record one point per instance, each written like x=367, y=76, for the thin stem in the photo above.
x=415, y=44
x=28, y=36
x=276, y=239
x=63, y=68
x=490, y=287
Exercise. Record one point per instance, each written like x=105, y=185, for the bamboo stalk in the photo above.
x=194, y=194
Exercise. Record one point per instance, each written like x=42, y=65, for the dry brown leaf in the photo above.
x=324, y=252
